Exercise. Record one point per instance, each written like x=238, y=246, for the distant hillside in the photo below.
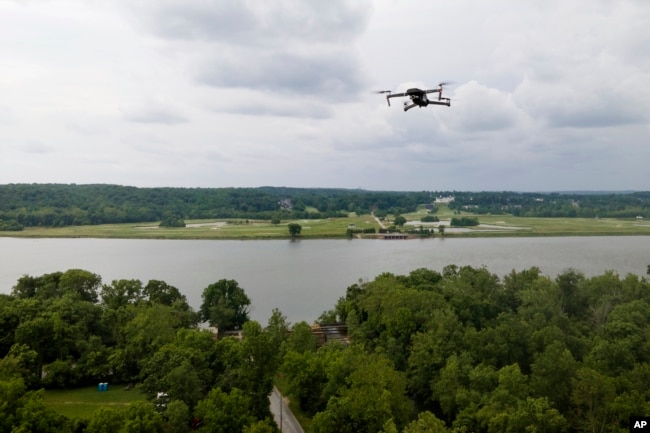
x=56, y=205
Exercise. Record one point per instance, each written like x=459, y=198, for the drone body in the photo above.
x=419, y=97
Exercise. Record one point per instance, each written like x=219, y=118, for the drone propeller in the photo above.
x=387, y=92
x=445, y=83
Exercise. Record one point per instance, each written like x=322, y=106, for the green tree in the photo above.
x=140, y=416
x=23, y=411
x=372, y=393
x=184, y=383
x=225, y=305
x=162, y=293
x=178, y=416
x=44, y=287
x=260, y=362
x=593, y=393
x=552, y=374
x=426, y=423
x=223, y=412
x=302, y=339
x=399, y=220
x=80, y=283
x=121, y=293
x=171, y=219
x=294, y=229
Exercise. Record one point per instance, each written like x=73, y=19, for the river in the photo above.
x=305, y=277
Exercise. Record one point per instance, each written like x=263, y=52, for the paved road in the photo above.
x=282, y=414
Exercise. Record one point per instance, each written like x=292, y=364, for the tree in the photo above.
x=294, y=229
x=592, y=395
x=224, y=412
x=121, y=293
x=400, y=220
x=170, y=219
x=225, y=305
x=371, y=394
x=302, y=339
x=80, y=283
x=426, y=423
x=178, y=416
x=162, y=293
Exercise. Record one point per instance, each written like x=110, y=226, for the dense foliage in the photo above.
x=55, y=205
x=464, y=222
x=566, y=205
x=67, y=329
x=460, y=350
x=465, y=351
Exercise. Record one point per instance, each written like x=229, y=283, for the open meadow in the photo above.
x=490, y=225
x=82, y=402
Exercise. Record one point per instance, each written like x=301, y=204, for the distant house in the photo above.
x=285, y=203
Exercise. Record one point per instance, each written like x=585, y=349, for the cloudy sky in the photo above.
x=548, y=96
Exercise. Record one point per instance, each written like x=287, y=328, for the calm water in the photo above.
x=304, y=278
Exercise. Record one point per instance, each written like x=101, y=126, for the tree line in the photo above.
x=56, y=205
x=554, y=205
x=460, y=350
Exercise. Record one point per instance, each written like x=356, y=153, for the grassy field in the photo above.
x=491, y=225
x=82, y=402
x=508, y=225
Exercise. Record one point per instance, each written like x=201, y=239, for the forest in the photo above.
x=59, y=205
x=456, y=350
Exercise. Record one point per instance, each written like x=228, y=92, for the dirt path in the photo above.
x=378, y=221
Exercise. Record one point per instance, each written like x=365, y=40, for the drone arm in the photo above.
x=393, y=95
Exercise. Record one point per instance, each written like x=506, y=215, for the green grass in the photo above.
x=503, y=225
x=82, y=402
x=336, y=228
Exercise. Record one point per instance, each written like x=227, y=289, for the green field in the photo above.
x=491, y=225
x=82, y=402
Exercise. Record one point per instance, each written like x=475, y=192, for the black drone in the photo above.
x=419, y=97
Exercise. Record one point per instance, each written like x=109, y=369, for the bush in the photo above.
x=464, y=222
x=429, y=219
x=10, y=226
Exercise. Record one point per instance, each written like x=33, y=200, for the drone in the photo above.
x=419, y=97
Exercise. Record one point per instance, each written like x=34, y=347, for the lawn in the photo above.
x=82, y=402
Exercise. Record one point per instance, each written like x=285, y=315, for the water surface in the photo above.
x=303, y=278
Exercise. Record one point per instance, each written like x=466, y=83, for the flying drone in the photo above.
x=419, y=97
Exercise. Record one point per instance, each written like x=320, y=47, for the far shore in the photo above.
x=344, y=228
